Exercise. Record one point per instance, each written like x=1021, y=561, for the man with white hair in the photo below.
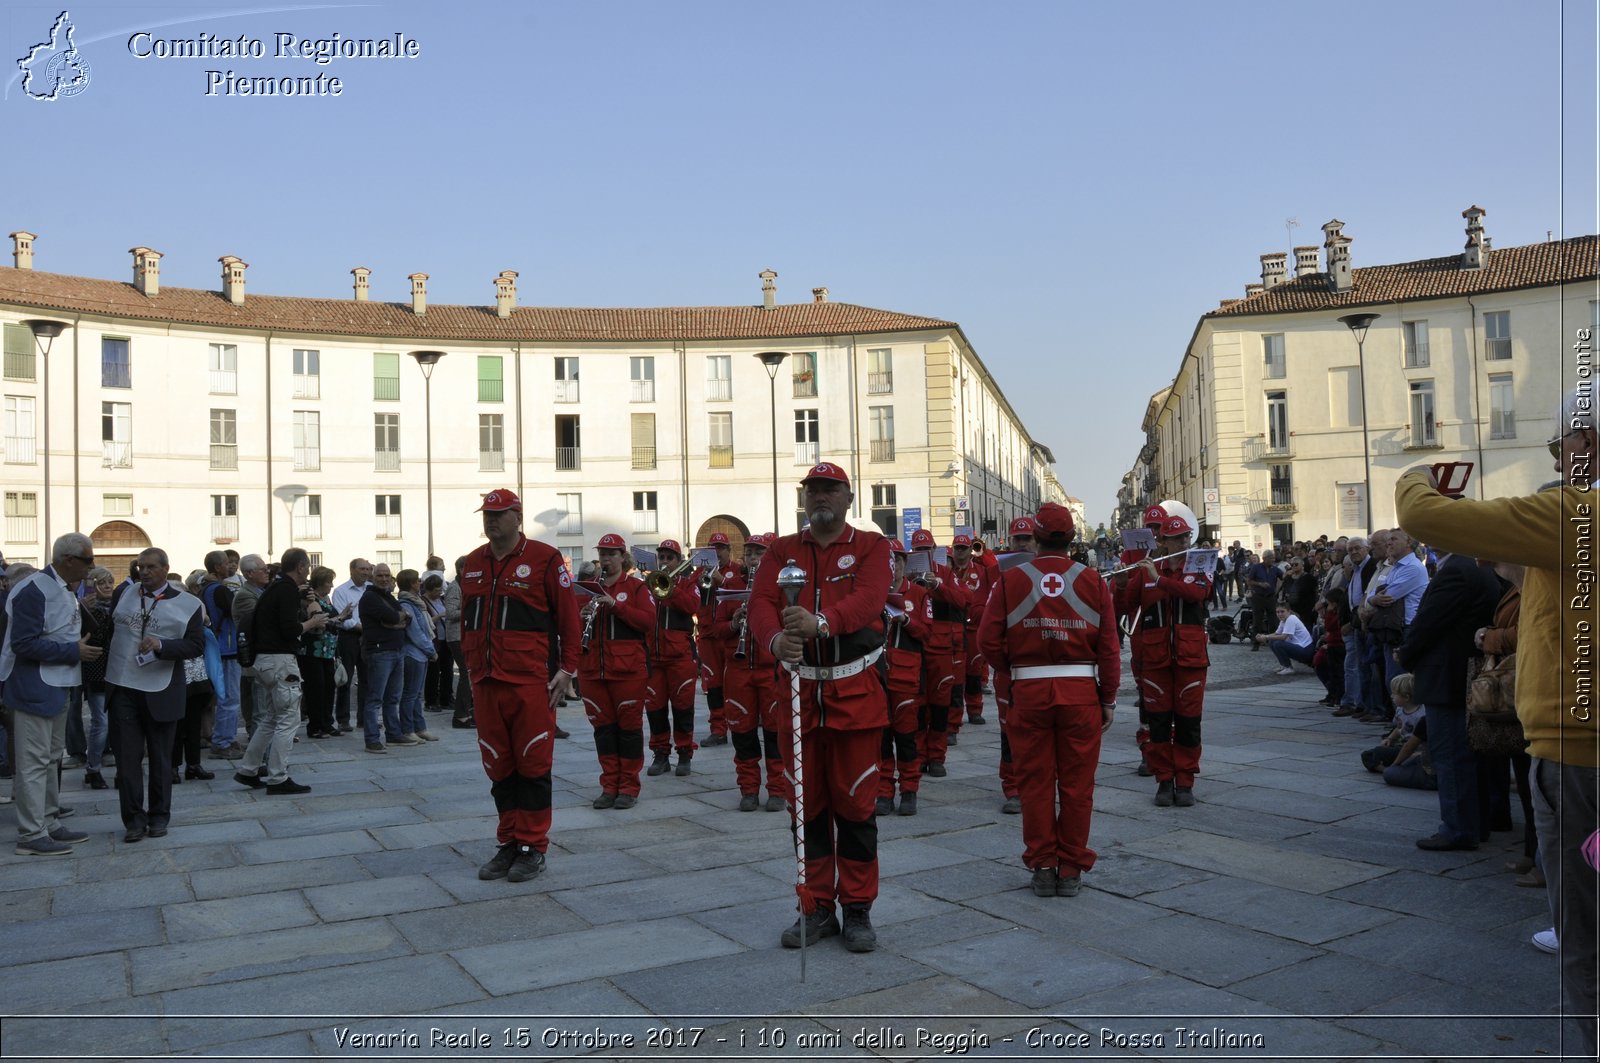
x=39, y=664
x=256, y=576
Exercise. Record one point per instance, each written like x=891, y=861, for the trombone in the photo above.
x=660, y=582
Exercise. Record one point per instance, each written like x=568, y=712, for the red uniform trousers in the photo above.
x=841, y=832
x=516, y=737
x=671, y=683
x=945, y=674
x=976, y=674
x=1055, y=735
x=713, y=660
x=753, y=720
x=616, y=712
x=1002, y=708
x=1173, y=698
x=907, y=715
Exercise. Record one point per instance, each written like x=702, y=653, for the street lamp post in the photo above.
x=1358, y=324
x=772, y=360
x=426, y=360
x=45, y=332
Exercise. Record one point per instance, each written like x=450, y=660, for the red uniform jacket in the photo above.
x=1172, y=617
x=906, y=638
x=848, y=583
x=513, y=608
x=725, y=631
x=672, y=635
x=1053, y=610
x=950, y=602
x=977, y=578
x=617, y=647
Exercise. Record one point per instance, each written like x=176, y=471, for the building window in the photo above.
x=307, y=440
x=116, y=435
x=1277, y=422
x=880, y=370
x=387, y=508
x=642, y=374
x=720, y=436
x=1272, y=346
x=570, y=506
x=1497, y=335
x=566, y=379
x=885, y=511
x=719, y=378
x=569, y=443
x=395, y=559
x=308, y=517
x=806, y=446
x=1424, y=433
x=224, y=364
x=882, y=422
x=1414, y=339
x=1344, y=397
x=1502, y=407
x=21, y=352
x=642, y=429
x=386, y=377
x=315, y=557
x=491, y=378
x=22, y=517
x=801, y=519
x=116, y=369
x=224, y=439
x=116, y=505
x=1282, y=533
x=386, y=442
x=1280, y=479
x=20, y=437
x=491, y=442
x=1352, y=504
x=225, y=518
x=307, y=374
x=644, y=512
x=803, y=366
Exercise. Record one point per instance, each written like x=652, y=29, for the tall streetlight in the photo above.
x=772, y=360
x=426, y=360
x=1358, y=324
x=45, y=332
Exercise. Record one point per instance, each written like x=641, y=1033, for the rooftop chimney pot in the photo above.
x=362, y=276
x=1476, y=255
x=419, y=293
x=505, y=293
x=233, y=268
x=1305, y=261
x=769, y=289
x=1274, y=269
x=146, y=271
x=819, y=295
x=22, y=249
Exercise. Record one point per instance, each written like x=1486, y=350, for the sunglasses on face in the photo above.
x=79, y=557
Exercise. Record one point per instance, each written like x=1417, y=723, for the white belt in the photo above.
x=837, y=671
x=1054, y=671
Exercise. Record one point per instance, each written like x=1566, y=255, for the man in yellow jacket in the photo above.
x=1552, y=533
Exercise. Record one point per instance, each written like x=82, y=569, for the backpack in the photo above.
x=224, y=627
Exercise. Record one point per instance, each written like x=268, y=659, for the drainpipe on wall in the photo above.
x=855, y=436
x=1477, y=408
x=683, y=438
x=516, y=371
x=77, y=516
x=272, y=514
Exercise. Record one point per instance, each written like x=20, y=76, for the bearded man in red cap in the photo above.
x=1021, y=541
x=831, y=638
x=615, y=668
x=1051, y=625
x=672, y=668
x=713, y=658
x=518, y=615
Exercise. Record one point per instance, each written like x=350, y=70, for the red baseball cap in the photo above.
x=961, y=540
x=500, y=500
x=1054, y=522
x=720, y=539
x=1154, y=514
x=611, y=541
x=922, y=539
x=1021, y=526
x=826, y=470
x=670, y=544
x=761, y=539
x=897, y=547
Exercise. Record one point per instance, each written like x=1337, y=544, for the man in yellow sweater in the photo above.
x=1553, y=534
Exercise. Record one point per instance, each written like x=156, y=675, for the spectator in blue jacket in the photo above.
x=419, y=652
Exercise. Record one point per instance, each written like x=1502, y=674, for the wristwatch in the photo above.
x=822, y=627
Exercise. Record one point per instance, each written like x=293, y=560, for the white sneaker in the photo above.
x=5, y=799
x=1284, y=671
x=1545, y=941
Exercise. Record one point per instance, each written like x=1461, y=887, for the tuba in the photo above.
x=660, y=582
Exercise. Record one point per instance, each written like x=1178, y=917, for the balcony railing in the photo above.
x=19, y=366
x=22, y=529
x=491, y=391
x=21, y=450
x=644, y=457
x=806, y=453
x=1423, y=438
x=719, y=390
x=385, y=387
x=223, y=382
x=308, y=459
x=880, y=383
x=566, y=391
x=224, y=456
x=721, y=456
x=569, y=458
x=644, y=391
x=805, y=387
x=491, y=461
x=1277, y=499
x=308, y=526
x=114, y=455
x=883, y=450
x=116, y=375
x=389, y=526
x=1268, y=450
x=644, y=521
x=307, y=386
x=224, y=528
x=386, y=460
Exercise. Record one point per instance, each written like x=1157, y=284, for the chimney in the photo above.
x=419, y=293
x=505, y=292
x=1274, y=269
x=147, y=271
x=1226, y=303
x=819, y=295
x=769, y=290
x=22, y=249
x=1253, y=289
x=1305, y=261
x=1476, y=256
x=233, y=268
x=1337, y=246
x=361, y=274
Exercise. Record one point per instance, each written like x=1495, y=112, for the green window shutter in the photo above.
x=385, y=376
x=491, y=378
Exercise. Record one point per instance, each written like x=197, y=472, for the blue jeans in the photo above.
x=97, y=727
x=411, y=717
x=1352, y=669
x=1374, y=684
x=225, y=728
x=1286, y=651
x=1410, y=774
x=77, y=742
x=1566, y=804
x=385, y=680
x=1457, y=771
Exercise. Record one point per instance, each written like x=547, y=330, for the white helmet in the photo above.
x=1178, y=512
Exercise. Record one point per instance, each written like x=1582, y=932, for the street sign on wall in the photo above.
x=910, y=521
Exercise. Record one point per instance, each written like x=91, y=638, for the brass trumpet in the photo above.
x=661, y=581
x=977, y=547
x=708, y=580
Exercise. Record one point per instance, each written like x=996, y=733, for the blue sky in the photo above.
x=1075, y=183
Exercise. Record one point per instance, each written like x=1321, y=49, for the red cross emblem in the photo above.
x=1053, y=585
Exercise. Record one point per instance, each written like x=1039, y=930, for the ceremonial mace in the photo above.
x=791, y=578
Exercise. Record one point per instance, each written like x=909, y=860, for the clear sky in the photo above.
x=1074, y=182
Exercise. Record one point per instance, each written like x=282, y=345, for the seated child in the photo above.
x=1403, y=756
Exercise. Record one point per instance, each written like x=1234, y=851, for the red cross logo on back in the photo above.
x=1053, y=585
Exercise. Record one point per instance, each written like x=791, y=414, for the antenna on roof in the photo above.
x=1289, y=226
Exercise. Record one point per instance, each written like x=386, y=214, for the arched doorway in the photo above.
x=117, y=543
x=734, y=528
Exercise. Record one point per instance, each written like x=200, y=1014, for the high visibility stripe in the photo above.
x=1017, y=615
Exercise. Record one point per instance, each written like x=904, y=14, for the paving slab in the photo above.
x=80, y=934
x=253, y=956
x=1295, y=805
x=343, y=819
x=514, y=918
x=1304, y=917
x=563, y=871
x=1213, y=953
x=241, y=881
x=1256, y=861
x=235, y=916
x=1028, y=967
x=24, y=906
x=1127, y=874
x=1523, y=977
x=297, y=849
x=772, y=974
x=679, y=894
x=141, y=892
x=127, y=1027
x=1334, y=984
x=604, y=951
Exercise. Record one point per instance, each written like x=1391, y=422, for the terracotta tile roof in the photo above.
x=191, y=306
x=1510, y=268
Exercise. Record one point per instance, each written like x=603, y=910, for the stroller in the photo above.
x=1225, y=627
